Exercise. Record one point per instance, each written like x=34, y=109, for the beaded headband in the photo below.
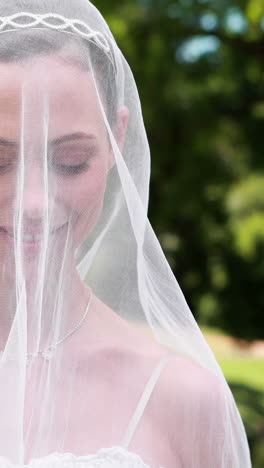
x=26, y=20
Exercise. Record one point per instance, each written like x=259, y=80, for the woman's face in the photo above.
x=54, y=155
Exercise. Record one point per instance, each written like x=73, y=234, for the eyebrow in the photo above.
x=72, y=137
x=55, y=141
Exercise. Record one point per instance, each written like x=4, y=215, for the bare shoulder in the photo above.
x=124, y=342
x=182, y=376
x=190, y=392
x=192, y=406
x=127, y=347
x=187, y=403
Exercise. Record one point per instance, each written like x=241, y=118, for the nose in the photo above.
x=34, y=196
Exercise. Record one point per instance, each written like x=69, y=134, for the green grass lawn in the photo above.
x=248, y=371
x=245, y=375
x=237, y=363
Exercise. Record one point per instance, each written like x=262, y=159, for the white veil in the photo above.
x=89, y=304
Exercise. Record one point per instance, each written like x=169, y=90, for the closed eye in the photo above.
x=8, y=158
x=71, y=158
x=68, y=169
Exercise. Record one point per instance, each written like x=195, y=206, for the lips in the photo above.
x=31, y=237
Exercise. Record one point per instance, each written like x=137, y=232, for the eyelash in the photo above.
x=5, y=167
x=60, y=168
x=70, y=169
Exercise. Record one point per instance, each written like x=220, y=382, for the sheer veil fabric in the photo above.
x=89, y=305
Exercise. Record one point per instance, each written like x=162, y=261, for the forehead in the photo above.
x=47, y=88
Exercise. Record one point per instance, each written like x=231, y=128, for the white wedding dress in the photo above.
x=113, y=457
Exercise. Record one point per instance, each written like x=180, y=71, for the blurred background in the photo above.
x=199, y=69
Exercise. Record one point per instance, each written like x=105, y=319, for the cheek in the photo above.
x=8, y=191
x=86, y=193
x=84, y=197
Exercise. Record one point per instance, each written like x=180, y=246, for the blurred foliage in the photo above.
x=250, y=402
x=198, y=65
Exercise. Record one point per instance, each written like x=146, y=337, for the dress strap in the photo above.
x=144, y=399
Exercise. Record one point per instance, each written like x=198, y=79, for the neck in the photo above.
x=50, y=308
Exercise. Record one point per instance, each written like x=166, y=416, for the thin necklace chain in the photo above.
x=48, y=353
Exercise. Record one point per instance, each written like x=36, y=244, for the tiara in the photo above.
x=26, y=20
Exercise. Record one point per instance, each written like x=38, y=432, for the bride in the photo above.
x=102, y=363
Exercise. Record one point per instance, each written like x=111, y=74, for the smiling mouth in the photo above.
x=32, y=238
